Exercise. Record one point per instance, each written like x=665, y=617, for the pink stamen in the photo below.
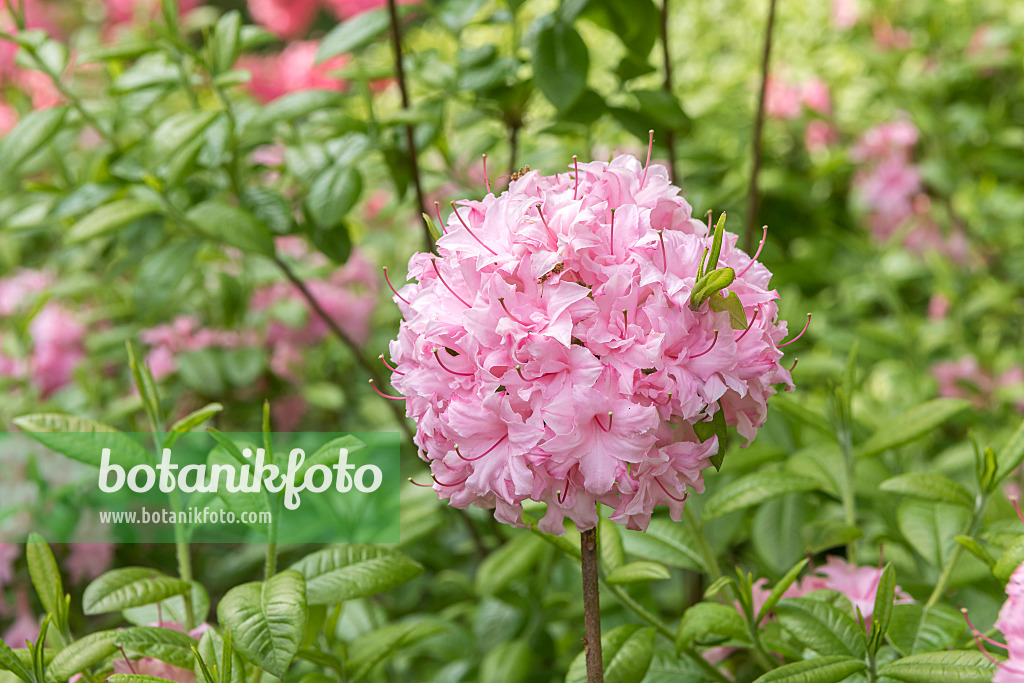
x=612, y=237
x=576, y=189
x=416, y=483
x=1016, y=506
x=710, y=213
x=394, y=370
x=546, y=226
x=487, y=181
x=978, y=634
x=664, y=254
x=496, y=444
x=806, y=325
x=493, y=253
x=393, y=287
x=382, y=394
x=434, y=263
x=441, y=483
x=462, y=374
x=668, y=399
x=437, y=209
x=519, y=371
x=128, y=661
x=501, y=300
x=565, y=492
x=678, y=500
x=609, y=427
x=756, y=253
x=650, y=146
x=713, y=342
x=749, y=325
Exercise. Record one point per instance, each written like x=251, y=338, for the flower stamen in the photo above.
x=473, y=234
x=806, y=325
x=394, y=370
x=487, y=181
x=545, y=222
x=563, y=493
x=433, y=262
x=501, y=300
x=650, y=146
x=461, y=374
x=496, y=444
x=708, y=350
x=749, y=325
x=393, y=287
x=131, y=667
x=1016, y=506
x=382, y=394
x=437, y=209
x=756, y=253
x=611, y=238
x=686, y=494
x=664, y=254
x=441, y=483
x=416, y=483
x=603, y=428
x=576, y=189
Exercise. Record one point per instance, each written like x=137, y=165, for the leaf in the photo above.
x=1011, y=558
x=266, y=619
x=662, y=108
x=129, y=587
x=626, y=653
x=108, y=218
x=136, y=678
x=930, y=528
x=613, y=555
x=636, y=572
x=354, y=571
x=171, y=609
x=961, y=666
x=82, y=654
x=165, y=644
x=512, y=560
x=353, y=34
x=754, y=489
x=818, y=670
x=802, y=413
x=560, y=64
x=370, y=650
x=299, y=104
x=824, y=534
x=42, y=567
x=226, y=43
x=1011, y=455
x=82, y=440
x=196, y=418
x=732, y=304
x=977, y=549
x=709, y=623
x=914, y=628
x=821, y=627
x=884, y=597
x=780, y=587
x=929, y=486
x=176, y=132
x=211, y=649
x=228, y=224
x=716, y=426
x=33, y=131
x=10, y=661
x=664, y=542
x=912, y=425
x=333, y=194
x=709, y=284
x=509, y=662
x=335, y=243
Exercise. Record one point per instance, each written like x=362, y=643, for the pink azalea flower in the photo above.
x=8, y=118
x=845, y=14
x=781, y=99
x=815, y=96
x=938, y=307
x=25, y=626
x=1011, y=623
x=9, y=554
x=889, y=38
x=345, y=9
x=886, y=140
x=284, y=18
x=548, y=355
x=859, y=584
x=292, y=70
x=57, y=347
x=819, y=136
x=89, y=560
x=16, y=289
x=126, y=11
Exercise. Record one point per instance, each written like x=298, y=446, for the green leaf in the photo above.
x=961, y=666
x=176, y=141
x=732, y=304
x=912, y=425
x=82, y=440
x=165, y=644
x=335, y=243
x=1011, y=455
x=636, y=572
x=509, y=662
x=228, y=224
x=109, y=218
x=226, y=43
x=818, y=670
x=370, y=650
x=710, y=623
x=136, y=678
x=929, y=528
x=929, y=486
x=884, y=597
x=914, y=628
x=10, y=661
x=711, y=283
x=162, y=273
x=333, y=194
x=196, y=418
x=211, y=649
x=662, y=108
x=716, y=426
x=353, y=34
x=129, y=587
x=513, y=560
x=780, y=587
x=1011, y=558
x=42, y=567
x=82, y=654
x=754, y=489
x=802, y=413
x=665, y=542
x=822, y=535
x=976, y=549
x=267, y=619
x=821, y=627
x=299, y=104
x=121, y=51
x=171, y=609
x=560, y=64
x=354, y=571
x=613, y=555
x=626, y=653
x=33, y=131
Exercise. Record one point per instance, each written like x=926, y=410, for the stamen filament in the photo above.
x=394, y=370
x=466, y=226
x=603, y=428
x=564, y=493
x=678, y=500
x=437, y=208
x=708, y=350
x=380, y=393
x=1016, y=506
x=545, y=222
x=576, y=189
x=664, y=254
x=416, y=483
x=461, y=374
x=434, y=263
x=496, y=444
x=806, y=325
x=749, y=325
x=756, y=253
x=611, y=238
x=393, y=287
x=650, y=146
x=501, y=300
x=441, y=483
x=977, y=633
x=131, y=667
x=487, y=181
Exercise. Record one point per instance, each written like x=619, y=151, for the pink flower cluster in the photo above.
x=785, y=100
x=966, y=378
x=1011, y=624
x=550, y=352
x=291, y=70
x=56, y=336
x=293, y=18
x=185, y=334
x=149, y=666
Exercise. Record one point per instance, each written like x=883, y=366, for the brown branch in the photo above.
x=410, y=139
x=753, y=198
x=591, y=607
x=670, y=135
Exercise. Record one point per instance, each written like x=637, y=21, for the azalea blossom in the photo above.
x=549, y=352
x=1011, y=624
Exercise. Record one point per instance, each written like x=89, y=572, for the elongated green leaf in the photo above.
x=354, y=571
x=136, y=678
x=754, y=489
x=42, y=567
x=626, y=653
x=267, y=619
x=299, y=104
x=211, y=649
x=196, y=418
x=912, y=425
x=780, y=587
x=227, y=41
x=732, y=304
x=1011, y=558
x=32, y=132
x=509, y=662
x=959, y=666
x=513, y=560
x=108, y=218
x=82, y=654
x=914, y=629
x=10, y=661
x=560, y=64
x=712, y=283
x=709, y=623
x=165, y=644
x=884, y=597
x=171, y=609
x=636, y=572
x=1012, y=454
x=82, y=440
x=333, y=194
x=929, y=528
x=821, y=627
x=802, y=413
x=929, y=486
x=664, y=542
x=370, y=650
x=818, y=670
x=228, y=224
x=613, y=555
x=177, y=132
x=353, y=34
x=129, y=587
x=976, y=549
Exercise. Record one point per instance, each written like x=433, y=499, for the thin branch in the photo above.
x=753, y=199
x=670, y=135
x=410, y=139
x=513, y=149
x=591, y=607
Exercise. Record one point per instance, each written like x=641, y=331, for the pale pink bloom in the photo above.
x=18, y=289
x=126, y=11
x=887, y=37
x=815, y=96
x=25, y=626
x=292, y=70
x=89, y=560
x=859, y=584
x=819, y=136
x=376, y=202
x=184, y=334
x=148, y=666
x=884, y=141
x=547, y=357
x=781, y=99
x=269, y=155
x=57, y=347
x=886, y=190
x=287, y=412
x=8, y=118
x=845, y=14
x=284, y=18
x=938, y=307
x=344, y=9
x=1011, y=623
x=9, y=554
x=963, y=378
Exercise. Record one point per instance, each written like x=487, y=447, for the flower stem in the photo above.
x=753, y=199
x=410, y=139
x=591, y=607
x=947, y=572
x=706, y=552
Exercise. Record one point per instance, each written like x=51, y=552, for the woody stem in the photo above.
x=591, y=607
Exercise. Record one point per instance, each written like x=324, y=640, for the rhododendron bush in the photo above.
x=226, y=216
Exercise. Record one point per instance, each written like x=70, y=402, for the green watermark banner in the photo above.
x=204, y=487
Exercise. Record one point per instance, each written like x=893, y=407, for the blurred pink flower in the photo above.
x=884, y=141
x=376, y=202
x=8, y=118
x=859, y=584
x=292, y=70
x=16, y=289
x=25, y=626
x=845, y=14
x=967, y=378
x=184, y=334
x=781, y=99
x=938, y=307
x=287, y=412
x=9, y=554
x=126, y=11
x=819, y=136
x=345, y=9
x=89, y=560
x=887, y=37
x=1011, y=623
x=886, y=191
x=284, y=18
x=57, y=347
x=815, y=96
